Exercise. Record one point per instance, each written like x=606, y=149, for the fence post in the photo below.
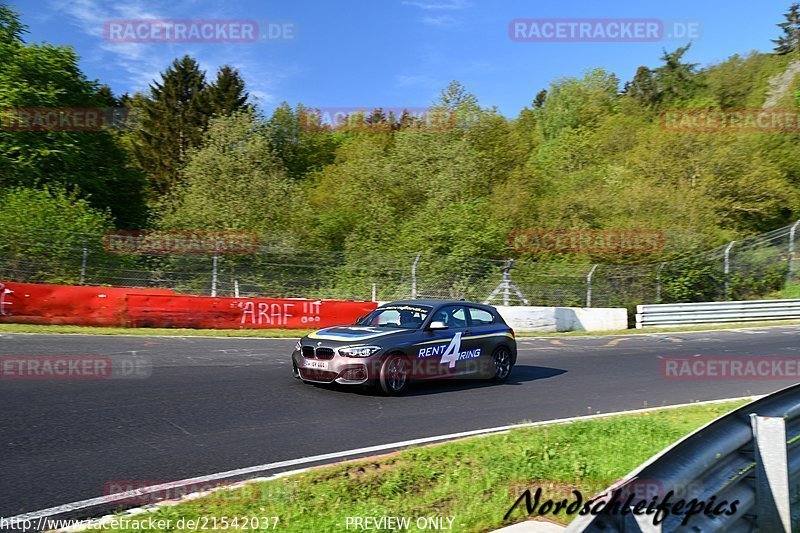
x=773, y=501
x=414, y=277
x=214, y=270
x=507, y=280
x=236, y=288
x=83, y=265
x=792, y=236
x=589, y=286
x=727, y=266
x=658, y=281
x=374, y=292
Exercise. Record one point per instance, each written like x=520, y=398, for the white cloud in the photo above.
x=139, y=64
x=441, y=21
x=437, y=5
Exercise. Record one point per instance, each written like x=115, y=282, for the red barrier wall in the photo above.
x=30, y=303
x=241, y=313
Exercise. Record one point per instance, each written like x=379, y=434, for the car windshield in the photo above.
x=397, y=316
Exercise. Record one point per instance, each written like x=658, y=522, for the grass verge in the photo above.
x=791, y=290
x=650, y=331
x=285, y=333
x=166, y=332
x=474, y=481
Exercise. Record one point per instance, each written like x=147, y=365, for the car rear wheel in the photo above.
x=394, y=376
x=502, y=364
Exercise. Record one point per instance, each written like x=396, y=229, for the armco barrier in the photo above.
x=716, y=312
x=751, y=456
x=30, y=303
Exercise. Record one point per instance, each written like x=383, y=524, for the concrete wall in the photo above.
x=553, y=319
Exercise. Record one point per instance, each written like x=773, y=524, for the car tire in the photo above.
x=394, y=375
x=502, y=363
x=296, y=371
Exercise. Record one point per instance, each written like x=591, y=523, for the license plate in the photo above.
x=320, y=365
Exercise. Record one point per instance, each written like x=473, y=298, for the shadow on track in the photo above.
x=519, y=375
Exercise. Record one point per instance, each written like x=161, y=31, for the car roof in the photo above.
x=438, y=303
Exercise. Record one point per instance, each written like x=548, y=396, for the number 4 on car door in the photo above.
x=450, y=355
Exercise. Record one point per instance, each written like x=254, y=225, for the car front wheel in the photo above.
x=394, y=376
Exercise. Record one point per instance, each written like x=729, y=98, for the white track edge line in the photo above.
x=92, y=502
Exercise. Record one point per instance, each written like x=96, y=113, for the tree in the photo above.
x=541, y=96
x=455, y=96
x=790, y=40
x=227, y=94
x=173, y=118
x=643, y=87
x=11, y=29
x=48, y=227
x=573, y=102
x=92, y=162
x=455, y=106
x=377, y=120
x=233, y=181
x=299, y=140
x=675, y=79
x=106, y=96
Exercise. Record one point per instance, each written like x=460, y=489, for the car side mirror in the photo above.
x=437, y=325
x=360, y=319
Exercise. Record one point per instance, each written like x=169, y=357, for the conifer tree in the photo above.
x=172, y=120
x=789, y=41
x=541, y=96
x=227, y=94
x=675, y=79
x=643, y=87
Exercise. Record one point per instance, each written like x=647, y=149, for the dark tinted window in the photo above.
x=480, y=317
x=454, y=316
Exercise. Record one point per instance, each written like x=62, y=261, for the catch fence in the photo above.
x=745, y=269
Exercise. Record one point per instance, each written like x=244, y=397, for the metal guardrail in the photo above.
x=716, y=312
x=751, y=455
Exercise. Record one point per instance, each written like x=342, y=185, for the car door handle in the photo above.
x=468, y=332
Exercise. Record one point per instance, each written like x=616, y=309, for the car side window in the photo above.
x=480, y=317
x=454, y=316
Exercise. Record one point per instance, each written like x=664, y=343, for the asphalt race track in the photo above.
x=212, y=405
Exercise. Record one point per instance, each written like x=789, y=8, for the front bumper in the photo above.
x=337, y=368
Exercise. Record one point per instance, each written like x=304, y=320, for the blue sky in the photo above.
x=394, y=53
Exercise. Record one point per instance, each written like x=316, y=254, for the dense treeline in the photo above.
x=589, y=153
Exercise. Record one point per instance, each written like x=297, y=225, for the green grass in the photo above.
x=791, y=290
x=284, y=333
x=474, y=480
x=645, y=331
x=86, y=330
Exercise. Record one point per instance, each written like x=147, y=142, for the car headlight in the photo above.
x=298, y=346
x=358, y=351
